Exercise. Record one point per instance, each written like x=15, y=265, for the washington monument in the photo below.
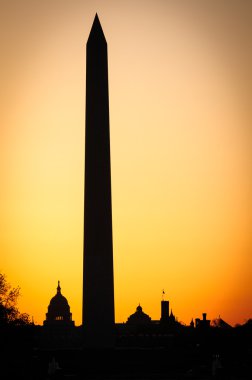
x=98, y=282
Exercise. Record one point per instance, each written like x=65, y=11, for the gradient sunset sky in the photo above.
x=180, y=126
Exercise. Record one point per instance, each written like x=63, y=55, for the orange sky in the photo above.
x=180, y=119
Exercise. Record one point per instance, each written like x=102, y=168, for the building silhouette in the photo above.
x=139, y=317
x=58, y=311
x=98, y=280
x=59, y=329
x=164, y=311
x=202, y=323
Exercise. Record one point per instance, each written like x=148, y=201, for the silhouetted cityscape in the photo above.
x=140, y=347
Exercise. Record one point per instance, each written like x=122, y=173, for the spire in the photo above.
x=58, y=288
x=96, y=32
x=139, y=307
x=163, y=295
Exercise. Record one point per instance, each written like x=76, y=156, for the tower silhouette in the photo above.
x=98, y=282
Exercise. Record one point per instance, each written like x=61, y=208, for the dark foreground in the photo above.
x=121, y=364
x=179, y=356
x=137, y=364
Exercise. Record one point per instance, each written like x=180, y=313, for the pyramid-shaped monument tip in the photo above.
x=96, y=30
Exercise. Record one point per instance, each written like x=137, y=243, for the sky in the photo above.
x=180, y=88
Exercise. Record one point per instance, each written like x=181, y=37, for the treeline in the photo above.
x=9, y=312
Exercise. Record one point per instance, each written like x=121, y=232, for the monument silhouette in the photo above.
x=98, y=281
x=143, y=348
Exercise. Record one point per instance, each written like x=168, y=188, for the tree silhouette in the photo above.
x=9, y=313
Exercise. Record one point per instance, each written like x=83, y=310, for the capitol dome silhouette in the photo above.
x=58, y=310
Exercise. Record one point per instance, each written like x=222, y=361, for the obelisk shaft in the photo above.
x=98, y=292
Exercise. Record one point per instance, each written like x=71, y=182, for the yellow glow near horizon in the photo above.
x=179, y=76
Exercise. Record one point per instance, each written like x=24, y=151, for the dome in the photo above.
x=59, y=303
x=58, y=309
x=139, y=317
